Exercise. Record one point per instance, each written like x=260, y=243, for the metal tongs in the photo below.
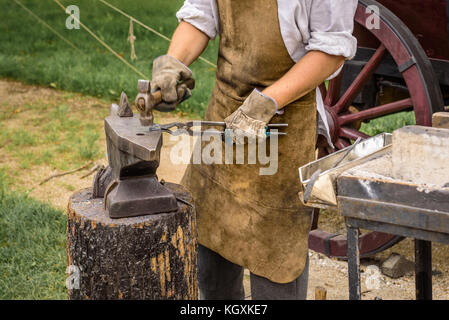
x=187, y=128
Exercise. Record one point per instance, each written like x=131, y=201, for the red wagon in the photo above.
x=402, y=63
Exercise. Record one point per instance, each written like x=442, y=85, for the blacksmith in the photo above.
x=272, y=56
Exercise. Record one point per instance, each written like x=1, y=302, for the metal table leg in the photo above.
x=423, y=269
x=353, y=263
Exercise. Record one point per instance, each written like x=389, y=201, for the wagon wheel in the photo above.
x=424, y=99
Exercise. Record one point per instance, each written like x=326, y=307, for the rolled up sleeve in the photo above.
x=200, y=14
x=331, y=24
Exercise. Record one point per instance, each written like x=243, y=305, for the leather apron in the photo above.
x=255, y=221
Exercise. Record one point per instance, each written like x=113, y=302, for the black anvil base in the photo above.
x=139, y=196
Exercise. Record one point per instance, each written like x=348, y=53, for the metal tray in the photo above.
x=323, y=193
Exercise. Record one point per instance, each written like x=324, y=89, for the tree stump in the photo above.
x=147, y=257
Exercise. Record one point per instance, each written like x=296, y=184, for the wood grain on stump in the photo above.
x=148, y=257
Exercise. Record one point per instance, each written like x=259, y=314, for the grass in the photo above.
x=33, y=54
x=388, y=123
x=32, y=247
x=66, y=138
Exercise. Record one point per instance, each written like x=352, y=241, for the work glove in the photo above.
x=168, y=73
x=252, y=118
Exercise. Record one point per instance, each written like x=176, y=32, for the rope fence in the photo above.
x=148, y=28
x=104, y=44
x=131, y=37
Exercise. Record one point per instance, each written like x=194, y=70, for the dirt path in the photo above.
x=325, y=272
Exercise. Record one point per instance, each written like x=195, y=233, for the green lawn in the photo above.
x=33, y=54
x=388, y=123
x=32, y=247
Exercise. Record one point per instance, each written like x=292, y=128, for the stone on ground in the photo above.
x=440, y=120
x=396, y=266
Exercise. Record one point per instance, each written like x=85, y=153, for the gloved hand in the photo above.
x=168, y=72
x=252, y=118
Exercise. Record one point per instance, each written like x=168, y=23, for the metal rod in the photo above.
x=347, y=152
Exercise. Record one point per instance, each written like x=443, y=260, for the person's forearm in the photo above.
x=303, y=77
x=187, y=43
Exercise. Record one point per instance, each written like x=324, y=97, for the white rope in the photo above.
x=149, y=28
x=103, y=43
x=131, y=39
x=48, y=26
x=134, y=19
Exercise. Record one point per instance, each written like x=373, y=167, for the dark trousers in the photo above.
x=220, y=279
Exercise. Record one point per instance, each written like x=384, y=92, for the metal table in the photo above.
x=369, y=198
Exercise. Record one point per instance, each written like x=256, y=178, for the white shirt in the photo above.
x=322, y=25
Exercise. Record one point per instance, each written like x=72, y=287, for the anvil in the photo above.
x=134, y=155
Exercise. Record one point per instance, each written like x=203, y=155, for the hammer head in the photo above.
x=145, y=102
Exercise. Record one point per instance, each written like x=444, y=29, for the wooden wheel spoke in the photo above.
x=376, y=111
x=323, y=90
x=352, y=134
x=333, y=92
x=356, y=87
x=342, y=143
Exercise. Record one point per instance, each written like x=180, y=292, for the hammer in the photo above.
x=147, y=101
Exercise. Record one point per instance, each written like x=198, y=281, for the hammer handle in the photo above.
x=157, y=96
